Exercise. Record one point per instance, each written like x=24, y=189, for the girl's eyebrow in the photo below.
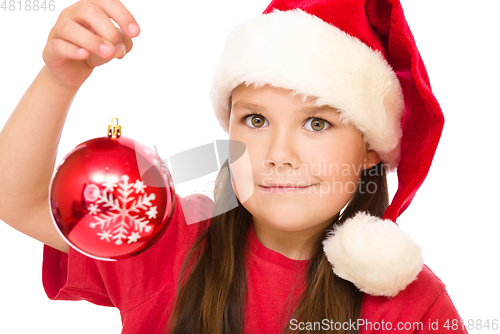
x=322, y=109
x=247, y=105
x=308, y=110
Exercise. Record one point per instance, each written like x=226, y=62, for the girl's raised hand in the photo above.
x=84, y=37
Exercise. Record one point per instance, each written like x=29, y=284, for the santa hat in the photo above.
x=357, y=56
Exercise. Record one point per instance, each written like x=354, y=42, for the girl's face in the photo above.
x=303, y=164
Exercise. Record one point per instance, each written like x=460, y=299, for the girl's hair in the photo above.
x=212, y=295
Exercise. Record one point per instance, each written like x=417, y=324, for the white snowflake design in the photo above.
x=122, y=222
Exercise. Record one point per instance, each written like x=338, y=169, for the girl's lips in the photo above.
x=283, y=190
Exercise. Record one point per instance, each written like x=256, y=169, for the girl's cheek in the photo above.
x=242, y=179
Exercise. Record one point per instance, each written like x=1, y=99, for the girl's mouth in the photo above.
x=283, y=189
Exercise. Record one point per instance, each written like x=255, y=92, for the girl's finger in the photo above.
x=58, y=48
x=120, y=14
x=97, y=21
x=127, y=41
x=74, y=33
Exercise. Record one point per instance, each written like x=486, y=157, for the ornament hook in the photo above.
x=114, y=130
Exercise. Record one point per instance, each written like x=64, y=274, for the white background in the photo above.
x=159, y=92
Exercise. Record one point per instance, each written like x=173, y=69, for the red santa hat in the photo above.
x=360, y=57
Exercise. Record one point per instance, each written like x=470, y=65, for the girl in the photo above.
x=321, y=124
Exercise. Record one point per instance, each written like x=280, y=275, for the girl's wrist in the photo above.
x=49, y=79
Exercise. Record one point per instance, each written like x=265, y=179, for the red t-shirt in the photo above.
x=143, y=287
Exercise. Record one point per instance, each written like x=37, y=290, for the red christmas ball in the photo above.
x=111, y=198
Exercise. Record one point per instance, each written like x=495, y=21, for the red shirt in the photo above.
x=143, y=287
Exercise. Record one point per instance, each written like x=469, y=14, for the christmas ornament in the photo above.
x=101, y=203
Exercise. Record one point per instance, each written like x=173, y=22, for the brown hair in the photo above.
x=211, y=297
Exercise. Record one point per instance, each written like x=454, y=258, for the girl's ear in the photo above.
x=371, y=159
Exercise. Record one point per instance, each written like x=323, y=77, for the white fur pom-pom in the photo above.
x=374, y=254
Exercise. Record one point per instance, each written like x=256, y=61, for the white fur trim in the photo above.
x=374, y=254
x=300, y=52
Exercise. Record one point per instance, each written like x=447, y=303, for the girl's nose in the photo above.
x=282, y=151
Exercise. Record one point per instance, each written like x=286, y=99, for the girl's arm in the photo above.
x=28, y=148
x=29, y=139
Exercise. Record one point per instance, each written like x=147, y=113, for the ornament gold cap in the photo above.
x=114, y=130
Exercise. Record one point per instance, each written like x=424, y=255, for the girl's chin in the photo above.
x=286, y=225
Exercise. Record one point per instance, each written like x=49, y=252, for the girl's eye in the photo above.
x=256, y=121
x=317, y=124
